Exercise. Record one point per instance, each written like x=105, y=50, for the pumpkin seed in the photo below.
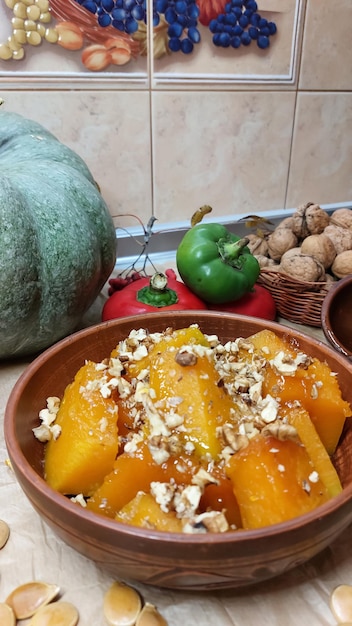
x=55, y=614
x=341, y=603
x=26, y=599
x=122, y=605
x=7, y=616
x=150, y=616
x=4, y=533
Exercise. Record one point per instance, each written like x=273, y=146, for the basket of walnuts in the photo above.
x=302, y=258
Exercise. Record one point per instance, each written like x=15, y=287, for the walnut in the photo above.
x=341, y=237
x=309, y=219
x=235, y=440
x=281, y=431
x=279, y=241
x=342, y=266
x=257, y=245
x=287, y=222
x=342, y=217
x=321, y=248
x=185, y=358
x=303, y=267
x=291, y=252
x=263, y=260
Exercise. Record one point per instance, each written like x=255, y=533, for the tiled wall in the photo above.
x=241, y=146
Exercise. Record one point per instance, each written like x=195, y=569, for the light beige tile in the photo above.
x=229, y=150
x=53, y=60
x=109, y=130
x=322, y=149
x=208, y=61
x=327, y=50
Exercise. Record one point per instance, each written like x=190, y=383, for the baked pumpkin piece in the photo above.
x=185, y=384
x=79, y=459
x=274, y=481
x=145, y=512
x=219, y=496
x=292, y=377
x=300, y=419
x=134, y=472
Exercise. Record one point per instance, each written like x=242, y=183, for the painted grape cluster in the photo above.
x=241, y=24
x=238, y=25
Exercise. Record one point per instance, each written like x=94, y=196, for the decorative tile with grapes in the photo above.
x=111, y=35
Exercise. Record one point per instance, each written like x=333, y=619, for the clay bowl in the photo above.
x=170, y=560
x=336, y=316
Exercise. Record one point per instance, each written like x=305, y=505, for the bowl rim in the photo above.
x=330, y=335
x=22, y=466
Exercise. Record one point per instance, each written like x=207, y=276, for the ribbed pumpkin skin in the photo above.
x=57, y=238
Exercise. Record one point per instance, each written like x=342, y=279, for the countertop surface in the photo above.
x=33, y=552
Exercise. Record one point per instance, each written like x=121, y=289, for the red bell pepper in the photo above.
x=145, y=295
x=257, y=303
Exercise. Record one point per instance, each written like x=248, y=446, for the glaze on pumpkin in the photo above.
x=57, y=238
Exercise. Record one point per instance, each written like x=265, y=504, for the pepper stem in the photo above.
x=231, y=250
x=157, y=293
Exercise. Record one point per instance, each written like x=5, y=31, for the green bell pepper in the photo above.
x=216, y=264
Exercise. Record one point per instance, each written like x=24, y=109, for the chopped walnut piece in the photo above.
x=185, y=358
x=235, y=440
x=48, y=429
x=210, y=521
x=203, y=478
x=287, y=365
x=281, y=431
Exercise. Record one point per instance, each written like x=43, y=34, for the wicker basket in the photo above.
x=296, y=300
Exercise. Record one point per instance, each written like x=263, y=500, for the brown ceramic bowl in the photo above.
x=178, y=561
x=336, y=316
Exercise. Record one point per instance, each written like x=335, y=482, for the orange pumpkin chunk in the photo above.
x=181, y=337
x=133, y=473
x=220, y=497
x=300, y=419
x=189, y=381
x=145, y=512
x=274, y=481
x=85, y=451
x=314, y=386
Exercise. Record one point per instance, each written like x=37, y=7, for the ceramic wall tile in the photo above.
x=228, y=150
x=321, y=160
x=327, y=50
x=109, y=131
x=224, y=55
x=44, y=42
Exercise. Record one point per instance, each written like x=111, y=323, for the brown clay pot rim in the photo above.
x=325, y=315
x=59, y=501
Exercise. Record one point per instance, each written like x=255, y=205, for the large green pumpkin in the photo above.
x=57, y=238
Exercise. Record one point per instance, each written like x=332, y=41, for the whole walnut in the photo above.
x=287, y=222
x=303, y=267
x=264, y=261
x=342, y=266
x=279, y=241
x=309, y=219
x=320, y=247
x=341, y=237
x=342, y=217
x=291, y=252
x=257, y=245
